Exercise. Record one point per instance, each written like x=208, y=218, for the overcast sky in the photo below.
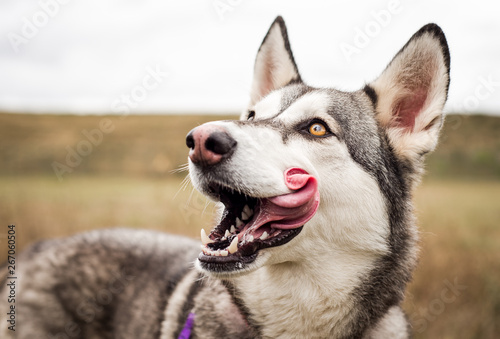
x=117, y=56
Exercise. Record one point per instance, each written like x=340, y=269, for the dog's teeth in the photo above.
x=264, y=236
x=244, y=216
x=224, y=253
x=250, y=238
x=233, y=229
x=227, y=234
x=247, y=213
x=204, y=238
x=238, y=223
x=234, y=246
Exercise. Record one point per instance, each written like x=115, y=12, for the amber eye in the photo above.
x=317, y=129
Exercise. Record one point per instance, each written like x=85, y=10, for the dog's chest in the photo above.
x=289, y=309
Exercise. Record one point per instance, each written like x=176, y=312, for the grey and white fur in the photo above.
x=342, y=274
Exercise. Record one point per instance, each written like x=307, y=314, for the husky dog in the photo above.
x=316, y=237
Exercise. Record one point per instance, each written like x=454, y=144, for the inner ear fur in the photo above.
x=275, y=66
x=411, y=92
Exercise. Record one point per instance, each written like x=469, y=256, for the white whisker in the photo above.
x=182, y=187
x=181, y=168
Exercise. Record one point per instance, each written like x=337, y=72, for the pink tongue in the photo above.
x=291, y=210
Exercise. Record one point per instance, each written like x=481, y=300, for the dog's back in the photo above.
x=115, y=284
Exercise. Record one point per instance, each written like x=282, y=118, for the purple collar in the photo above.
x=188, y=327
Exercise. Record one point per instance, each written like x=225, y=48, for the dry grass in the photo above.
x=126, y=181
x=460, y=243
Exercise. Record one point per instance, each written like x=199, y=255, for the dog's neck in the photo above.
x=310, y=298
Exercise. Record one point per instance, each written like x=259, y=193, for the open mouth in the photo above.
x=251, y=224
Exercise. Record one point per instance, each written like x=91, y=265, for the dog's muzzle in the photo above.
x=209, y=144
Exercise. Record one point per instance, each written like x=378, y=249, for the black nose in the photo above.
x=220, y=143
x=190, y=139
x=209, y=144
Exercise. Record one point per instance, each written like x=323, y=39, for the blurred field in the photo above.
x=127, y=180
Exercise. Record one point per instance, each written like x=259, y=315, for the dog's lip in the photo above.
x=288, y=211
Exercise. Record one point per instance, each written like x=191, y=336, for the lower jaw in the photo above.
x=225, y=265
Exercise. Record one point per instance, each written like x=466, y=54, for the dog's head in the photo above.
x=313, y=169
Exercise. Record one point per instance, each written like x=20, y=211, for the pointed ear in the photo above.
x=410, y=94
x=274, y=64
